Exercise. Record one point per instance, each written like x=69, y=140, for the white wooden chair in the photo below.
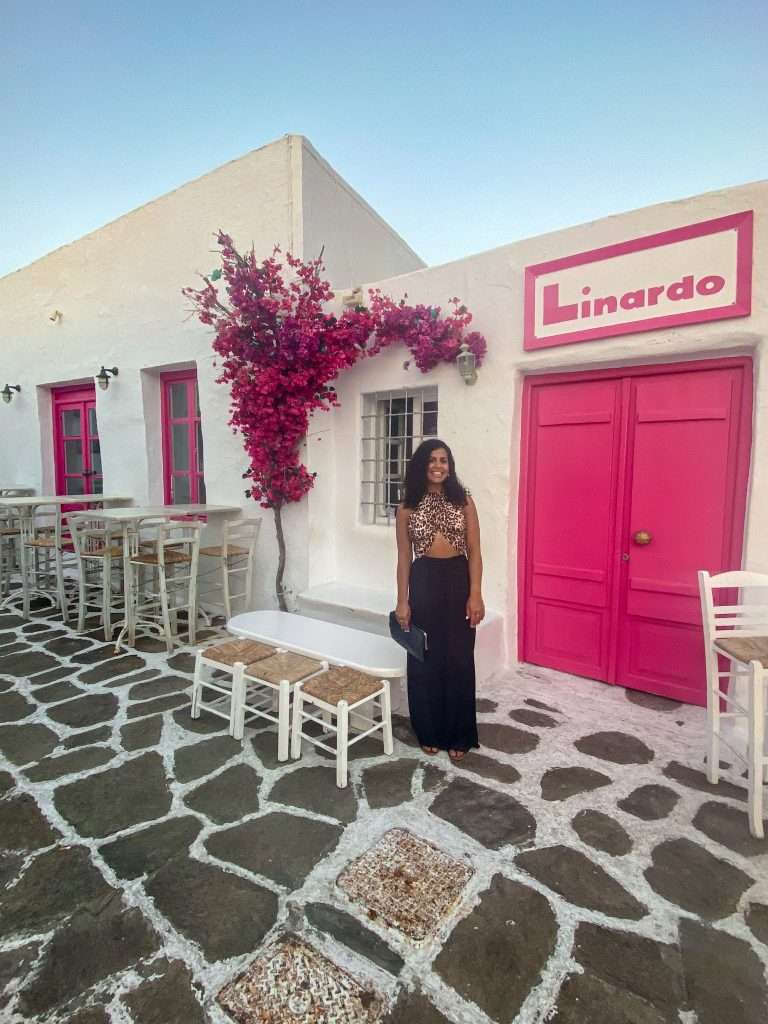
x=99, y=552
x=738, y=632
x=338, y=693
x=46, y=550
x=235, y=555
x=162, y=580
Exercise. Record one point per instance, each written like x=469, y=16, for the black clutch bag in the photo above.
x=414, y=640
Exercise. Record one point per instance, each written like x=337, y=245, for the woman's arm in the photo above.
x=475, y=606
x=404, y=559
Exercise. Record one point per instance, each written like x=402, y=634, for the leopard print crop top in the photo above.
x=435, y=514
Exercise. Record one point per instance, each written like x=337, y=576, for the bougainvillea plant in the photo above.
x=281, y=349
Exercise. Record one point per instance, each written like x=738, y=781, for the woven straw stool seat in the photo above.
x=44, y=541
x=745, y=648
x=9, y=531
x=114, y=552
x=341, y=700
x=218, y=552
x=171, y=558
x=340, y=683
x=245, y=651
x=284, y=665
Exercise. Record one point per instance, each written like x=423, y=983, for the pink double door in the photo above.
x=631, y=481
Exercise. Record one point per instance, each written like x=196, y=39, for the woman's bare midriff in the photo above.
x=441, y=547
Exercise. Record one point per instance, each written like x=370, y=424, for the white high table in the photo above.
x=130, y=517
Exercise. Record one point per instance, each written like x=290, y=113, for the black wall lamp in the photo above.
x=104, y=375
x=8, y=390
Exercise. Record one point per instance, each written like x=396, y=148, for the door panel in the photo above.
x=77, y=453
x=662, y=450
x=572, y=503
x=683, y=447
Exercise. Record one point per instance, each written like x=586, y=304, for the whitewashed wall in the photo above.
x=482, y=422
x=119, y=290
x=357, y=244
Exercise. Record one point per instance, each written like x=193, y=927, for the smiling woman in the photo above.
x=440, y=592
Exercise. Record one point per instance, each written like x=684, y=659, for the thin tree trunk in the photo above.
x=281, y=559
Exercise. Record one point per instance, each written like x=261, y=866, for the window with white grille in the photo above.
x=394, y=424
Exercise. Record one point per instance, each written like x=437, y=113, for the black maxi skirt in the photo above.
x=441, y=689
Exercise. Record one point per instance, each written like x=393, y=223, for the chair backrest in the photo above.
x=745, y=618
x=240, y=533
x=170, y=535
x=41, y=520
x=90, y=536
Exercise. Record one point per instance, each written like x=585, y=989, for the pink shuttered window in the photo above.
x=182, y=439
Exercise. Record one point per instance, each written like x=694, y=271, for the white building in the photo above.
x=623, y=395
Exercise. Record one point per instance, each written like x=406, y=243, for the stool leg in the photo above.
x=298, y=700
x=197, y=685
x=61, y=593
x=81, y=595
x=106, y=580
x=237, y=712
x=192, y=609
x=756, y=743
x=225, y=589
x=283, y=720
x=386, y=717
x=342, y=743
x=25, y=580
x=165, y=610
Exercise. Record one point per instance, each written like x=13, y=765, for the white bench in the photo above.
x=368, y=608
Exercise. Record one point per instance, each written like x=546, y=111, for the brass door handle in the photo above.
x=641, y=538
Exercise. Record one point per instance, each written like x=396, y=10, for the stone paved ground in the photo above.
x=587, y=872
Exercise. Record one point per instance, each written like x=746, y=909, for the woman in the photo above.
x=439, y=574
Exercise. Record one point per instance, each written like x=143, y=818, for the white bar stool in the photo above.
x=739, y=633
x=225, y=659
x=235, y=555
x=162, y=580
x=339, y=692
x=99, y=552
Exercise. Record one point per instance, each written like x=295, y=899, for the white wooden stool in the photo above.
x=261, y=684
x=227, y=658
x=339, y=692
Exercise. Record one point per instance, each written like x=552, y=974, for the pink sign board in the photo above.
x=683, y=276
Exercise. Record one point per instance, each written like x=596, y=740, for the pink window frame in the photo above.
x=188, y=377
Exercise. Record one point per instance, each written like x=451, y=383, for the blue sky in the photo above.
x=466, y=126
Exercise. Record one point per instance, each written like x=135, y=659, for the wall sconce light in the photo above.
x=8, y=390
x=56, y=316
x=467, y=364
x=103, y=376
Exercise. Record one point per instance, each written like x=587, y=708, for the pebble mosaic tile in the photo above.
x=292, y=983
x=407, y=882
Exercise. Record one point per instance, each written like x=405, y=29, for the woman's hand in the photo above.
x=403, y=614
x=475, y=610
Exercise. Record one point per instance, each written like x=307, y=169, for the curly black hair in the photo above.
x=415, y=484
